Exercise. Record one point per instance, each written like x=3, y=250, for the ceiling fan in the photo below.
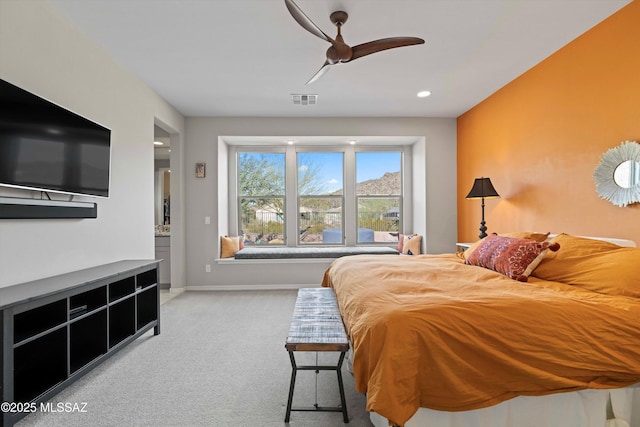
x=340, y=52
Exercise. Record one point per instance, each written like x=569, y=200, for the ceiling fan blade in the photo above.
x=321, y=72
x=305, y=22
x=383, y=44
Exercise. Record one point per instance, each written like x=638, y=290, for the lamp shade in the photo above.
x=482, y=188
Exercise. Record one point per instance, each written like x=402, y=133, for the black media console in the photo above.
x=55, y=330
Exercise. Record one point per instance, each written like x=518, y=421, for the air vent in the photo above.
x=300, y=99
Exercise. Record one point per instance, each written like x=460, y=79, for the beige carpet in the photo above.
x=219, y=361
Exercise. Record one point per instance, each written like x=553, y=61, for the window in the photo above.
x=378, y=196
x=320, y=197
x=311, y=196
x=261, y=197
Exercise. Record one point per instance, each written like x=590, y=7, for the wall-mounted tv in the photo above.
x=48, y=148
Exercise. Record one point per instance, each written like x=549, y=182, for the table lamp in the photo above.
x=482, y=188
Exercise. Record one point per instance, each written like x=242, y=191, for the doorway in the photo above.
x=162, y=204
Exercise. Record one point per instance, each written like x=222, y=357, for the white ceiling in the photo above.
x=246, y=57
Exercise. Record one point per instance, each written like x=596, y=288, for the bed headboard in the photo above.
x=619, y=242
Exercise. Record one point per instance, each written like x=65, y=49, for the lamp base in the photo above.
x=483, y=229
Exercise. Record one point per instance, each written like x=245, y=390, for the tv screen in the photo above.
x=48, y=148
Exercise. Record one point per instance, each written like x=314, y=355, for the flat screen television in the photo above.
x=48, y=148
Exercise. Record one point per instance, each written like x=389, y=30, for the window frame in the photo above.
x=319, y=150
x=349, y=202
x=401, y=196
x=234, y=208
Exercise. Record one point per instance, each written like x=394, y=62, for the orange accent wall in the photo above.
x=540, y=138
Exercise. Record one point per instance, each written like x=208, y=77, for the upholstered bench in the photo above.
x=315, y=252
x=316, y=325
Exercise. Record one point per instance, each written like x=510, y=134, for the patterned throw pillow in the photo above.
x=513, y=257
x=411, y=244
x=529, y=235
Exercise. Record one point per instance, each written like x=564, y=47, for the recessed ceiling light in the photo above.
x=352, y=141
x=158, y=143
x=290, y=142
x=424, y=94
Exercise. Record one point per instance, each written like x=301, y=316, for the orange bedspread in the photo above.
x=430, y=331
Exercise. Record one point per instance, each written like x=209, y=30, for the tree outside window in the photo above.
x=320, y=198
x=261, y=192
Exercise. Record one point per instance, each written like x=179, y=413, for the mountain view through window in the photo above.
x=320, y=204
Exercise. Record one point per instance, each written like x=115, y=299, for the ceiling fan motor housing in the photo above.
x=339, y=17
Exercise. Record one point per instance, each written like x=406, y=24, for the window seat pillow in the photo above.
x=329, y=252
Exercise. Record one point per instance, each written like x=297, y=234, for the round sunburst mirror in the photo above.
x=617, y=176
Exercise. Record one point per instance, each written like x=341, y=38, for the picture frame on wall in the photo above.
x=200, y=170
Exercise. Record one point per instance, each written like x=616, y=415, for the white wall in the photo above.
x=43, y=53
x=434, y=191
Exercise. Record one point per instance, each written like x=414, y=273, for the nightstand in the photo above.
x=463, y=246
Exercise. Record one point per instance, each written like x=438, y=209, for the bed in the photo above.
x=439, y=342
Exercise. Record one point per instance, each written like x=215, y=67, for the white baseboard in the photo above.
x=232, y=261
x=255, y=287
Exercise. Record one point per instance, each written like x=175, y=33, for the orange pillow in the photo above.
x=530, y=235
x=467, y=253
x=513, y=257
x=593, y=264
x=230, y=245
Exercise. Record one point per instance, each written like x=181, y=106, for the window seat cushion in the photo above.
x=329, y=252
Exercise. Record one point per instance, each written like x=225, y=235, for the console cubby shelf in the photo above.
x=77, y=320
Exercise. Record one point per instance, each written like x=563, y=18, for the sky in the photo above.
x=369, y=165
